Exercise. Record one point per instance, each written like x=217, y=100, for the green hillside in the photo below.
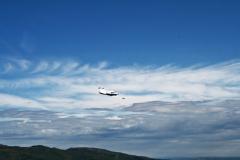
x=46, y=153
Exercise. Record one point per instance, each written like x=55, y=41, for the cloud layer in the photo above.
x=157, y=129
x=168, y=110
x=73, y=85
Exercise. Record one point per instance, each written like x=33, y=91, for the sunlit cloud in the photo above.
x=196, y=105
x=70, y=84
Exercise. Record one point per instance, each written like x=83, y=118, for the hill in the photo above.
x=46, y=153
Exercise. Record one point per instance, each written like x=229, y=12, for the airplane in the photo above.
x=107, y=92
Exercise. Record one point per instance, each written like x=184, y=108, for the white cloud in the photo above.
x=16, y=101
x=42, y=66
x=102, y=64
x=75, y=86
x=55, y=66
x=70, y=66
x=8, y=67
x=24, y=64
x=114, y=118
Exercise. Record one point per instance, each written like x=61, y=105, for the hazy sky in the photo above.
x=55, y=54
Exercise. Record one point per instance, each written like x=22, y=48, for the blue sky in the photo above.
x=175, y=62
x=122, y=32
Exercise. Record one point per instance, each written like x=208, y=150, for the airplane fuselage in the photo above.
x=107, y=92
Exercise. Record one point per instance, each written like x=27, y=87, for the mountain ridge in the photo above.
x=40, y=152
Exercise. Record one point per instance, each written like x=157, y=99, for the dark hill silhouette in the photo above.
x=46, y=153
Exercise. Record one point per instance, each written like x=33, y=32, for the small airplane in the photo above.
x=107, y=92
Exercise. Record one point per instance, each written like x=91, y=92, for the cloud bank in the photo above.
x=168, y=110
x=156, y=129
x=73, y=85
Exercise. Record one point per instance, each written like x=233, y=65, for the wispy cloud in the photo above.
x=24, y=64
x=8, y=100
x=8, y=67
x=42, y=66
x=70, y=67
x=201, y=109
x=13, y=64
x=77, y=83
